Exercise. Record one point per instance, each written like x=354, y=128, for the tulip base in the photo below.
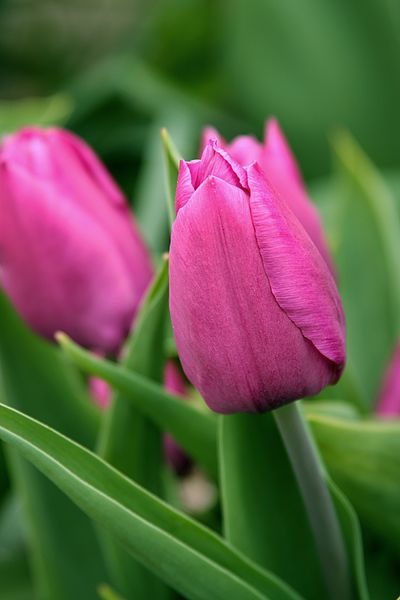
x=310, y=474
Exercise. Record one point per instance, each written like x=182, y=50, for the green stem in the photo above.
x=310, y=475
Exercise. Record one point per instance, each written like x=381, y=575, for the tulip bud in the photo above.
x=176, y=457
x=256, y=313
x=71, y=258
x=279, y=165
x=389, y=400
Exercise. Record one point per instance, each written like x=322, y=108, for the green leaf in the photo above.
x=186, y=555
x=263, y=511
x=352, y=536
x=192, y=428
x=15, y=114
x=129, y=440
x=15, y=577
x=149, y=191
x=348, y=78
x=364, y=458
x=36, y=379
x=171, y=165
x=364, y=228
x=182, y=420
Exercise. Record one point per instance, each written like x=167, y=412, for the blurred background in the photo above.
x=121, y=68
x=116, y=71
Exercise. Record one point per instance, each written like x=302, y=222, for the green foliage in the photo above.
x=163, y=539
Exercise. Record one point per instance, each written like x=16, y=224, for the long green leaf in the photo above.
x=36, y=379
x=183, y=421
x=130, y=441
x=193, y=429
x=189, y=557
x=364, y=226
x=364, y=459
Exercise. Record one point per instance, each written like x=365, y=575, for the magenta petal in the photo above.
x=280, y=167
x=216, y=161
x=245, y=149
x=389, y=400
x=300, y=279
x=277, y=151
x=66, y=293
x=184, y=186
x=209, y=134
x=236, y=344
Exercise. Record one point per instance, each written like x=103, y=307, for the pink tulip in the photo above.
x=279, y=165
x=176, y=457
x=71, y=258
x=256, y=314
x=389, y=400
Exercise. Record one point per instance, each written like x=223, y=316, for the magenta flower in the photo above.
x=175, y=456
x=256, y=313
x=71, y=257
x=389, y=400
x=279, y=165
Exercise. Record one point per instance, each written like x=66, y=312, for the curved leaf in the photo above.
x=186, y=555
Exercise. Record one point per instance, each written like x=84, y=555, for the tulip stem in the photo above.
x=310, y=474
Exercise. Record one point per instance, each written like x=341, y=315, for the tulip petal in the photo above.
x=388, y=406
x=209, y=134
x=184, y=186
x=278, y=152
x=245, y=149
x=54, y=276
x=236, y=344
x=300, y=280
x=281, y=170
x=216, y=161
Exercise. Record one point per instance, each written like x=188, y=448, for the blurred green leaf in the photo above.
x=36, y=378
x=149, y=192
x=34, y=111
x=315, y=65
x=15, y=577
x=193, y=429
x=129, y=440
x=364, y=228
x=189, y=557
x=263, y=512
x=364, y=458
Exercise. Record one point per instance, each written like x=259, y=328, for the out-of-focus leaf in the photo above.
x=34, y=111
x=352, y=535
x=193, y=429
x=364, y=458
x=107, y=593
x=263, y=512
x=129, y=440
x=149, y=193
x=189, y=557
x=364, y=226
x=316, y=65
x=15, y=579
x=36, y=378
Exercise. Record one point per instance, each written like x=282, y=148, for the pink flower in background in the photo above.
x=389, y=400
x=256, y=313
x=71, y=257
x=279, y=165
x=100, y=391
x=176, y=457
